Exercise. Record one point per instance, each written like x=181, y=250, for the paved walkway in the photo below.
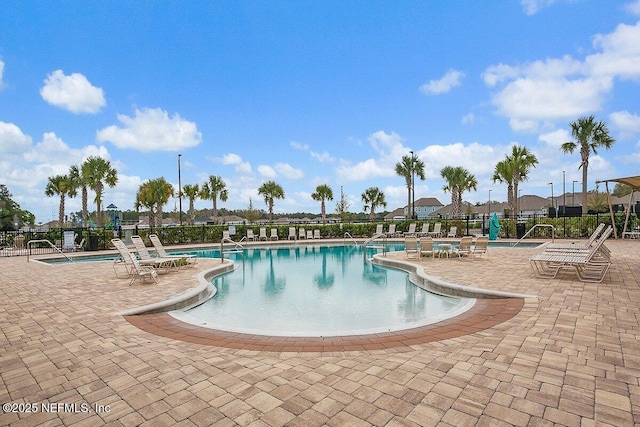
x=571, y=356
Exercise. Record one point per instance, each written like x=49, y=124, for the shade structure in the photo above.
x=631, y=181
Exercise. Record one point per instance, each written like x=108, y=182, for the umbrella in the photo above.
x=494, y=227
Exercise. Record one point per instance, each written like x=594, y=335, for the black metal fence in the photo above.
x=17, y=242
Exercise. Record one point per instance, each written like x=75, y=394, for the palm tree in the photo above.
x=75, y=175
x=212, y=190
x=161, y=192
x=503, y=173
x=271, y=190
x=373, y=198
x=62, y=186
x=192, y=191
x=458, y=180
x=144, y=198
x=522, y=161
x=408, y=168
x=96, y=172
x=589, y=135
x=323, y=193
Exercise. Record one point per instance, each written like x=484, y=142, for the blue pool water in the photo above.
x=312, y=290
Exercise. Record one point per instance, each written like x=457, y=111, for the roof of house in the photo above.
x=428, y=201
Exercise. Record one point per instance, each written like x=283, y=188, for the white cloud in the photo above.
x=12, y=140
x=390, y=150
x=468, y=119
x=288, y=171
x=73, y=93
x=565, y=88
x=634, y=7
x=267, y=171
x=450, y=80
x=2, y=84
x=152, y=130
x=531, y=7
x=555, y=138
x=231, y=159
x=627, y=123
x=323, y=157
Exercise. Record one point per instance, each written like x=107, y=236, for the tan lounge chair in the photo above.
x=426, y=246
x=453, y=231
x=125, y=259
x=378, y=230
x=436, y=230
x=464, y=248
x=164, y=264
x=480, y=247
x=411, y=231
x=141, y=271
x=411, y=247
x=424, y=231
x=392, y=231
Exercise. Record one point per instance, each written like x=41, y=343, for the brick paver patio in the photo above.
x=570, y=356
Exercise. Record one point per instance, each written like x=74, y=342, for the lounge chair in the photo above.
x=250, y=235
x=164, y=264
x=125, y=259
x=424, y=231
x=292, y=233
x=411, y=247
x=316, y=234
x=590, y=265
x=480, y=247
x=464, y=248
x=411, y=231
x=263, y=234
x=302, y=234
x=378, y=230
x=225, y=235
x=586, y=245
x=141, y=271
x=186, y=259
x=309, y=234
x=426, y=246
x=274, y=234
x=392, y=231
x=452, y=231
x=436, y=230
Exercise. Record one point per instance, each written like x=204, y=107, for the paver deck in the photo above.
x=570, y=356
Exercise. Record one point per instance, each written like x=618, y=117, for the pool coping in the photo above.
x=490, y=309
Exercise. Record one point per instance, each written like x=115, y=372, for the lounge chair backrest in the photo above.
x=425, y=228
x=452, y=231
x=309, y=234
x=595, y=234
x=437, y=227
x=250, y=234
x=141, y=271
x=292, y=232
x=301, y=233
x=412, y=228
x=603, y=237
x=157, y=244
x=142, y=250
x=263, y=232
x=481, y=245
x=392, y=228
x=316, y=234
x=274, y=232
x=379, y=229
x=426, y=244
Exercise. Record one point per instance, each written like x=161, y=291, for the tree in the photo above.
x=251, y=214
x=408, y=168
x=589, y=135
x=212, y=190
x=96, y=173
x=503, y=173
x=323, y=192
x=144, y=198
x=79, y=181
x=10, y=212
x=458, y=180
x=192, y=191
x=373, y=198
x=60, y=185
x=522, y=160
x=161, y=192
x=271, y=190
x=621, y=190
x=342, y=207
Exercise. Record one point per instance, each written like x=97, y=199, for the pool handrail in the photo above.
x=532, y=228
x=50, y=244
x=347, y=234
x=376, y=236
x=237, y=248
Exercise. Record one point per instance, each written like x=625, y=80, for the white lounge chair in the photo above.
x=378, y=229
x=452, y=231
x=480, y=247
x=263, y=234
x=586, y=245
x=183, y=259
x=411, y=231
x=411, y=247
x=250, y=235
x=316, y=234
x=125, y=259
x=392, y=231
x=302, y=234
x=140, y=271
x=424, y=231
x=225, y=235
x=274, y=234
x=436, y=230
x=309, y=234
x=164, y=264
x=292, y=233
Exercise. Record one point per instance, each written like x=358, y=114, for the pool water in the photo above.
x=312, y=290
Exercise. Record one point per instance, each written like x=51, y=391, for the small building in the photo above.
x=424, y=207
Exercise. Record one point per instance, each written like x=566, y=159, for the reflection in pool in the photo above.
x=312, y=290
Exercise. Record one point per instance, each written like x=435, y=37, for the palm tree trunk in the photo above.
x=322, y=210
x=61, y=211
x=85, y=209
x=584, y=186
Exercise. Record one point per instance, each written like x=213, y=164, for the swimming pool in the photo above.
x=313, y=290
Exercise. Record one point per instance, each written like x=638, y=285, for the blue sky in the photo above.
x=312, y=92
